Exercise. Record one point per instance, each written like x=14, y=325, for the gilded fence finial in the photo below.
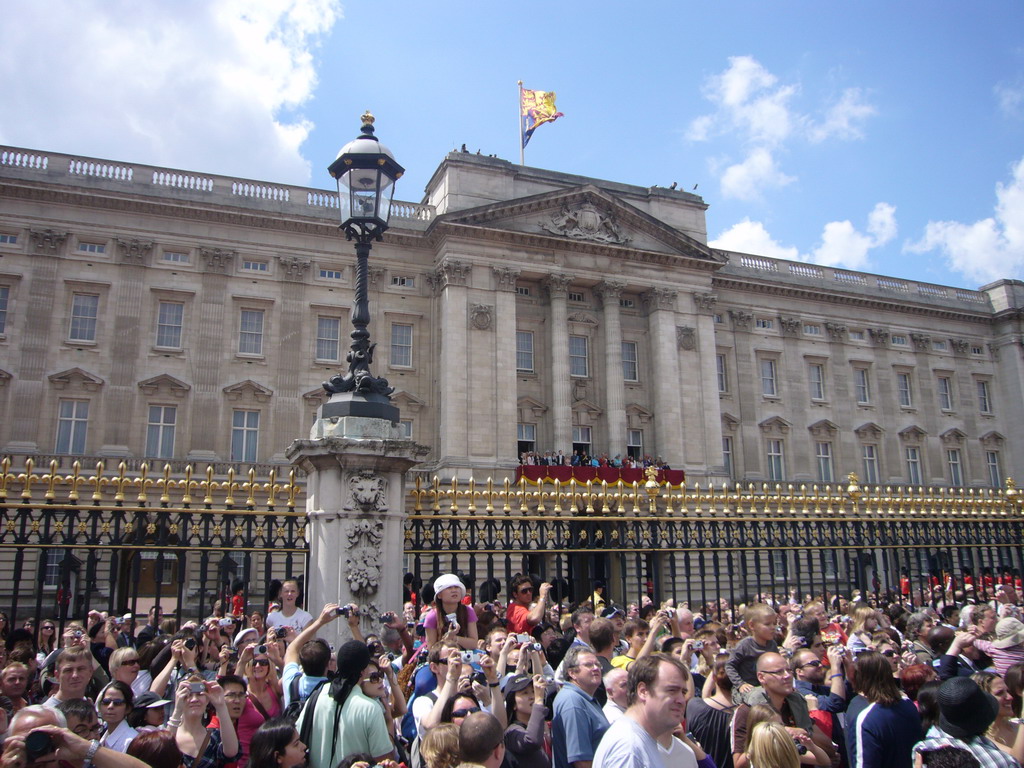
x=853, y=489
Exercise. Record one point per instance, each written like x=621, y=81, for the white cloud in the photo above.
x=844, y=118
x=191, y=84
x=751, y=237
x=1010, y=98
x=842, y=245
x=757, y=172
x=990, y=248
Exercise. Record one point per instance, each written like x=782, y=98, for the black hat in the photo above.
x=517, y=683
x=353, y=658
x=965, y=710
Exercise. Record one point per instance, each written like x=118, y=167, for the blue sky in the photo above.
x=886, y=137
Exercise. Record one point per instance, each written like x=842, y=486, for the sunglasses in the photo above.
x=261, y=663
x=133, y=662
x=373, y=677
x=49, y=629
x=524, y=590
x=814, y=663
x=112, y=702
x=465, y=712
x=889, y=654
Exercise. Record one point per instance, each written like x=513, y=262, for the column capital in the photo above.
x=880, y=336
x=216, y=259
x=294, y=268
x=450, y=272
x=740, y=319
x=374, y=274
x=505, y=278
x=705, y=302
x=557, y=285
x=659, y=298
x=133, y=251
x=790, y=325
x=47, y=240
x=836, y=331
x=609, y=291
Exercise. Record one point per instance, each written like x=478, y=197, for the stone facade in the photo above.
x=150, y=312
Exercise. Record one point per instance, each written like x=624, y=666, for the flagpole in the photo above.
x=519, y=121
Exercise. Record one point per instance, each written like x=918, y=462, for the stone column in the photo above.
x=506, y=409
x=557, y=287
x=710, y=416
x=615, y=388
x=748, y=395
x=355, y=504
x=450, y=280
x=661, y=319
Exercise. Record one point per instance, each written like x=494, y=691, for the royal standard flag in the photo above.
x=536, y=108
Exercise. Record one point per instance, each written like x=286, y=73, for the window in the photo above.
x=403, y=281
x=812, y=330
x=956, y=476
x=780, y=564
x=250, y=265
x=903, y=390
x=524, y=351
x=328, y=337
x=176, y=256
x=764, y=322
x=635, y=443
x=405, y=428
x=899, y=340
x=401, y=345
x=576, y=296
x=630, y=369
x=816, y=380
x=330, y=274
x=72, y=422
x=995, y=473
x=54, y=566
x=856, y=335
x=869, y=455
x=823, y=456
x=6, y=239
x=523, y=290
x=939, y=346
x=581, y=440
x=945, y=388
x=627, y=303
x=727, y=456
x=5, y=296
x=768, y=387
x=579, y=364
x=245, y=430
x=84, y=310
x=250, y=332
x=527, y=437
x=169, y=318
x=776, y=460
x=913, y=456
x=977, y=351
x=92, y=248
x=160, y=431
x=722, y=372
x=718, y=318
x=984, y=397
x=862, y=385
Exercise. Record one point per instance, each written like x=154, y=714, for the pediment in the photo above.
x=912, y=433
x=4, y=377
x=407, y=402
x=869, y=431
x=586, y=407
x=823, y=428
x=248, y=388
x=75, y=377
x=164, y=381
x=729, y=422
x=583, y=217
x=316, y=397
x=536, y=407
x=953, y=436
x=992, y=439
x=637, y=411
x=776, y=425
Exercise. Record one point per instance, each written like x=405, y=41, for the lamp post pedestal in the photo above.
x=355, y=508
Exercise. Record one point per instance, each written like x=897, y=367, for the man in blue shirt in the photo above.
x=307, y=658
x=578, y=723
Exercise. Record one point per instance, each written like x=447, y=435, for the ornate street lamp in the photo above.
x=366, y=172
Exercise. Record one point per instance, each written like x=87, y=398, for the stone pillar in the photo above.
x=661, y=319
x=710, y=416
x=355, y=505
x=557, y=287
x=450, y=281
x=615, y=398
x=748, y=395
x=506, y=408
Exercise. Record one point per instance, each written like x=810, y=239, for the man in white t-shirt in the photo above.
x=290, y=614
x=657, y=704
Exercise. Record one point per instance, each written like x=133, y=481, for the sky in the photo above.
x=876, y=136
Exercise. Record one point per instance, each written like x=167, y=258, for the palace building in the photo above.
x=174, y=316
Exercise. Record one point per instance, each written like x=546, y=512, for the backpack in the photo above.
x=295, y=700
x=306, y=731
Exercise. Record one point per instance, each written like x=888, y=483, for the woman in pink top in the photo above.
x=448, y=594
x=1008, y=647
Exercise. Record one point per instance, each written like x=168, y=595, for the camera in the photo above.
x=800, y=748
x=190, y=643
x=38, y=744
x=345, y=610
x=467, y=657
x=698, y=645
x=226, y=623
x=77, y=634
x=387, y=618
x=280, y=633
x=523, y=639
x=261, y=649
x=196, y=688
x=232, y=653
x=534, y=647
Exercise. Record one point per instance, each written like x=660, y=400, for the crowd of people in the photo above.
x=584, y=459
x=780, y=682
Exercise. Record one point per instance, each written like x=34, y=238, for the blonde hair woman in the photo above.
x=771, y=746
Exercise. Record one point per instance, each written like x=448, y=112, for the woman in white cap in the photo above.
x=450, y=618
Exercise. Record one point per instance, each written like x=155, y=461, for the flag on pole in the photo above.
x=535, y=109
